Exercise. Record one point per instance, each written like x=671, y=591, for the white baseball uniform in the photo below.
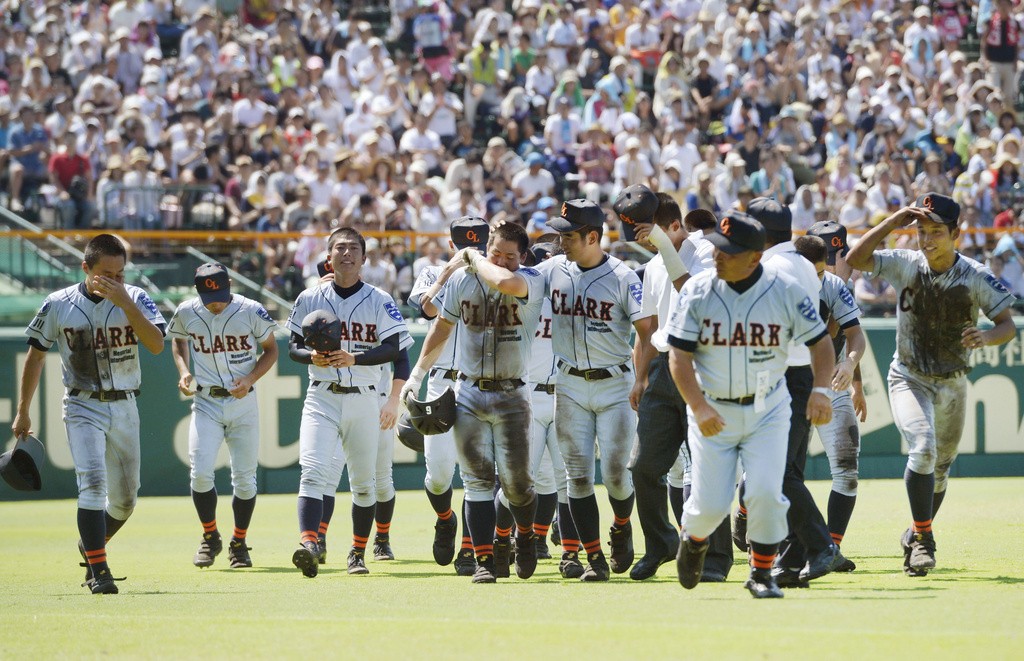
x=549, y=473
x=223, y=348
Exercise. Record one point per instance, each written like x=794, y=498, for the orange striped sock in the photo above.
x=358, y=542
x=308, y=536
x=923, y=526
x=446, y=516
x=592, y=547
x=383, y=529
x=761, y=561
x=323, y=528
x=743, y=511
x=96, y=556
x=697, y=540
x=570, y=545
x=521, y=530
x=467, y=543
x=483, y=551
x=620, y=523
x=541, y=530
x=502, y=532
x=209, y=526
x=239, y=533
x=837, y=539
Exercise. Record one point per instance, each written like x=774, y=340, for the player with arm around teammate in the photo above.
x=341, y=401
x=939, y=293
x=219, y=332
x=595, y=305
x=730, y=334
x=496, y=304
x=97, y=326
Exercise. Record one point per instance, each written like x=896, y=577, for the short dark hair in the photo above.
x=812, y=248
x=700, y=219
x=775, y=237
x=103, y=245
x=582, y=232
x=347, y=232
x=510, y=232
x=668, y=211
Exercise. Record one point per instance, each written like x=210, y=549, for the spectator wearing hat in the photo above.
x=201, y=31
x=533, y=183
x=29, y=146
x=921, y=30
x=143, y=192
x=128, y=62
x=1001, y=43
x=727, y=185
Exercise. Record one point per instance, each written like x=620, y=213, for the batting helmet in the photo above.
x=435, y=417
x=635, y=204
x=408, y=435
x=20, y=466
x=321, y=330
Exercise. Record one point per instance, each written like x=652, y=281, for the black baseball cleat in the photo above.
x=444, y=540
x=597, y=568
x=922, y=553
x=502, y=553
x=305, y=558
x=356, y=563
x=739, y=531
x=526, y=555
x=905, y=539
x=85, y=561
x=570, y=566
x=102, y=583
x=621, y=543
x=209, y=548
x=556, y=534
x=465, y=563
x=647, y=566
x=382, y=548
x=842, y=564
x=484, y=572
x=321, y=557
x=788, y=577
x=820, y=563
x=690, y=561
x=712, y=576
x=542, y=548
x=238, y=554
x=761, y=585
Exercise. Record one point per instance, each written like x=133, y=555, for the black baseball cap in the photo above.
x=577, y=214
x=738, y=232
x=940, y=208
x=470, y=232
x=773, y=216
x=635, y=204
x=213, y=283
x=541, y=251
x=834, y=236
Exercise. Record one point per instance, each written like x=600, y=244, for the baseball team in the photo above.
x=694, y=382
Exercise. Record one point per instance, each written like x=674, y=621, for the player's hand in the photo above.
x=641, y=231
x=842, y=377
x=22, y=425
x=412, y=384
x=907, y=216
x=240, y=386
x=327, y=277
x=389, y=413
x=185, y=385
x=112, y=290
x=341, y=358
x=709, y=421
x=321, y=359
x=819, y=409
x=860, y=404
x=972, y=338
x=636, y=392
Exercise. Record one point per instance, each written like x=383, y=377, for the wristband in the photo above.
x=823, y=391
x=669, y=255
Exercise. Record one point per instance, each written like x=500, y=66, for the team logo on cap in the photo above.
x=927, y=202
x=565, y=208
x=725, y=226
x=626, y=219
x=837, y=242
x=472, y=236
x=211, y=284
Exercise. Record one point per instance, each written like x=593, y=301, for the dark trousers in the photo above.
x=661, y=431
x=808, y=532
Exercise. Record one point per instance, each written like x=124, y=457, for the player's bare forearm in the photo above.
x=496, y=277
x=845, y=369
x=267, y=358
x=856, y=344
x=389, y=411
x=860, y=256
x=145, y=330
x=30, y=376
x=680, y=365
x=823, y=361
x=1002, y=332
x=180, y=353
x=434, y=343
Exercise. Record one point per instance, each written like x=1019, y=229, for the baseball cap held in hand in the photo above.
x=940, y=208
x=635, y=204
x=470, y=232
x=834, y=236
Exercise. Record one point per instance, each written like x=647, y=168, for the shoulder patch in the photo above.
x=262, y=313
x=845, y=295
x=529, y=270
x=636, y=290
x=147, y=303
x=989, y=278
x=807, y=309
x=393, y=311
x=44, y=309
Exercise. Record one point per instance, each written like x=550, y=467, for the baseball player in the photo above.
x=97, y=326
x=939, y=294
x=841, y=436
x=384, y=482
x=220, y=331
x=730, y=334
x=439, y=449
x=496, y=304
x=659, y=446
x=341, y=400
x=808, y=552
x=595, y=304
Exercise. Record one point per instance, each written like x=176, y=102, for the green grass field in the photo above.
x=972, y=606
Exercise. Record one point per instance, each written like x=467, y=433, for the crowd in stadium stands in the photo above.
x=298, y=115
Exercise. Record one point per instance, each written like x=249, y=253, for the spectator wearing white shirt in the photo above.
x=855, y=214
x=921, y=28
x=249, y=112
x=562, y=130
x=443, y=107
x=533, y=183
x=632, y=168
x=884, y=196
x=540, y=79
x=423, y=144
x=561, y=36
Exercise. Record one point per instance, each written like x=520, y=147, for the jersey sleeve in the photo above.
x=447, y=300
x=844, y=308
x=684, y=325
x=891, y=266
x=426, y=279
x=991, y=295
x=534, y=282
x=632, y=296
x=390, y=320
x=43, y=328
x=148, y=307
x=263, y=325
x=806, y=323
x=176, y=327
x=299, y=311
x=648, y=305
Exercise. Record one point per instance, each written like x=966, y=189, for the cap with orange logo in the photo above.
x=213, y=283
x=737, y=232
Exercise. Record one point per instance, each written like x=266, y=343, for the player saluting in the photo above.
x=220, y=331
x=341, y=400
x=730, y=335
x=939, y=294
x=496, y=304
x=97, y=327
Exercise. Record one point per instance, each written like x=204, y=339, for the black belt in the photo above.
x=216, y=391
x=597, y=374
x=105, y=395
x=742, y=401
x=451, y=375
x=339, y=389
x=494, y=385
x=549, y=388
